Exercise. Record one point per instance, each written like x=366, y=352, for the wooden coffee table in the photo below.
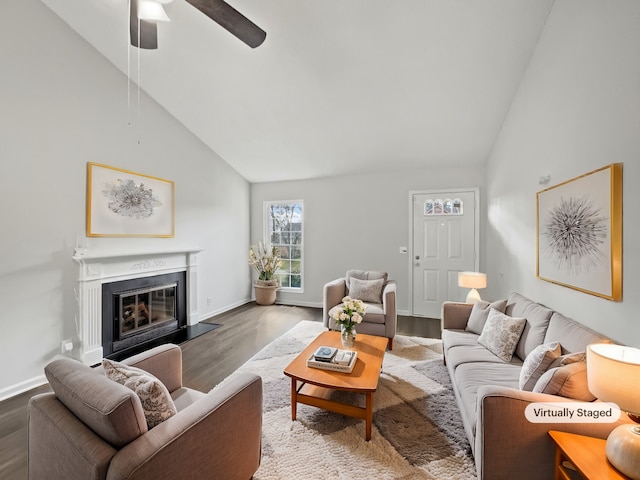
x=313, y=386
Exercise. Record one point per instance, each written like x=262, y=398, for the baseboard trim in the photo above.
x=301, y=304
x=225, y=309
x=22, y=387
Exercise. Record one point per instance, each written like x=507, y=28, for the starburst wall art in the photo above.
x=121, y=203
x=579, y=233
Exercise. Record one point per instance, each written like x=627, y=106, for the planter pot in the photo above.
x=266, y=291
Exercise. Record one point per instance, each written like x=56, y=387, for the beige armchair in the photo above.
x=92, y=427
x=375, y=290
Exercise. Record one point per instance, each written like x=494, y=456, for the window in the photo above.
x=283, y=221
x=443, y=207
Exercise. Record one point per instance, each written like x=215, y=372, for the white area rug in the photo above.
x=416, y=430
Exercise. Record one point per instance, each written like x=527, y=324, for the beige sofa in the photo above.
x=504, y=443
x=95, y=428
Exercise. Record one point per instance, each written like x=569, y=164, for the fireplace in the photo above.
x=139, y=311
x=154, y=274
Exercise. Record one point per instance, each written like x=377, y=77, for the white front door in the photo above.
x=445, y=242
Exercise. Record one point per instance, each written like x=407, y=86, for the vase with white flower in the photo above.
x=266, y=260
x=348, y=317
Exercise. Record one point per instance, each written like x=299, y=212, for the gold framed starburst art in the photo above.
x=579, y=233
x=121, y=203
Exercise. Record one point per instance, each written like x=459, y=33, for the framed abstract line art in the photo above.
x=579, y=233
x=121, y=203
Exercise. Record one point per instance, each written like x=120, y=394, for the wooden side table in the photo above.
x=586, y=455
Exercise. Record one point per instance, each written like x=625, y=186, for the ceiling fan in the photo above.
x=218, y=10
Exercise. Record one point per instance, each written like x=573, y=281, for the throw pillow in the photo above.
x=568, y=358
x=567, y=381
x=501, y=333
x=536, y=363
x=154, y=396
x=480, y=313
x=366, y=290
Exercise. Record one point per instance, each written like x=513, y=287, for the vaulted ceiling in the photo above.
x=338, y=86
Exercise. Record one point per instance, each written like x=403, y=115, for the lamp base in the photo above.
x=473, y=296
x=623, y=450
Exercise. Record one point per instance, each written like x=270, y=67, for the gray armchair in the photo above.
x=94, y=428
x=377, y=292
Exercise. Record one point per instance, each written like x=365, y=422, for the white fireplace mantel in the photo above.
x=99, y=268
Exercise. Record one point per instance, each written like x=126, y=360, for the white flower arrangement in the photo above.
x=351, y=312
x=265, y=259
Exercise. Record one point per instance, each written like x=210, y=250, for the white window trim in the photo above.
x=266, y=235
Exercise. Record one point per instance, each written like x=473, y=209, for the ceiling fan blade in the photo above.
x=148, y=30
x=232, y=20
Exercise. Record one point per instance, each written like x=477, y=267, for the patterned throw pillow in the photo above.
x=154, y=396
x=536, y=363
x=366, y=290
x=501, y=333
x=480, y=313
x=567, y=381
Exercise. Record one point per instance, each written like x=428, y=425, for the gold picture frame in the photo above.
x=121, y=203
x=579, y=233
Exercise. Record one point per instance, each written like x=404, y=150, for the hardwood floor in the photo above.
x=207, y=360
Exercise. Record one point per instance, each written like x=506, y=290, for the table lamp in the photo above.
x=613, y=375
x=472, y=280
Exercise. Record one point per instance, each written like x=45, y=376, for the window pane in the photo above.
x=284, y=280
x=428, y=207
x=457, y=206
x=295, y=266
x=448, y=206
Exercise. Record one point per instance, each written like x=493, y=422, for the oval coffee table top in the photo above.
x=365, y=374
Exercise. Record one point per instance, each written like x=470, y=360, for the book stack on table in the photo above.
x=331, y=358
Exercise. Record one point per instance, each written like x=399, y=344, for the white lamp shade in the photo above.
x=151, y=10
x=613, y=375
x=472, y=280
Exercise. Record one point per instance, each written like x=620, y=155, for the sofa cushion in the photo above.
x=155, y=398
x=536, y=363
x=452, y=338
x=573, y=336
x=537, y=316
x=567, y=381
x=184, y=397
x=457, y=355
x=366, y=290
x=501, y=333
x=111, y=410
x=480, y=312
x=471, y=376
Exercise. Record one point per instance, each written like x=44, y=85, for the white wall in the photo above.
x=577, y=109
x=356, y=222
x=64, y=105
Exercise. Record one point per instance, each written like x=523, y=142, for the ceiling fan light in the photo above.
x=151, y=10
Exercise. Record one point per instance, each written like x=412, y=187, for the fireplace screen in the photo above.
x=146, y=308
